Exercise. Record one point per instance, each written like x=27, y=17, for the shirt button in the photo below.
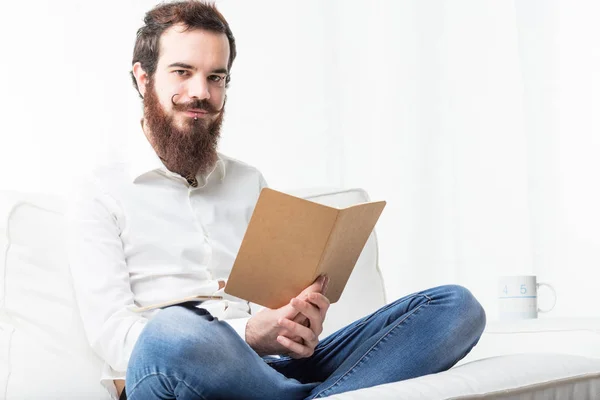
x=192, y=181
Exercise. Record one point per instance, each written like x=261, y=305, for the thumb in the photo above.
x=318, y=286
x=288, y=312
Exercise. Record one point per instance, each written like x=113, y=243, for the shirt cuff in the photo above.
x=239, y=325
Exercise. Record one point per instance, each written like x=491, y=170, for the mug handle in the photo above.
x=553, y=292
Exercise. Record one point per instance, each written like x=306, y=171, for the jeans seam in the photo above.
x=166, y=376
x=351, y=369
x=383, y=309
x=274, y=362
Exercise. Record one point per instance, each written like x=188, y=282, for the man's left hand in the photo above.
x=308, y=325
x=292, y=329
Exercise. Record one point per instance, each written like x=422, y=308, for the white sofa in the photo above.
x=44, y=353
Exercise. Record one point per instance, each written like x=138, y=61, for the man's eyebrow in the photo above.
x=188, y=66
x=182, y=65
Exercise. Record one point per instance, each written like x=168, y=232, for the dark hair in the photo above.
x=193, y=14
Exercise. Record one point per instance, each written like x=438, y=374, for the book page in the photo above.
x=348, y=238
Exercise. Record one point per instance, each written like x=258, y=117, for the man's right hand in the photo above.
x=292, y=329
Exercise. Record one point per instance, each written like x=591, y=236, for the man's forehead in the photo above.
x=178, y=43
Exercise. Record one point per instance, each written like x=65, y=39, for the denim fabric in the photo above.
x=185, y=353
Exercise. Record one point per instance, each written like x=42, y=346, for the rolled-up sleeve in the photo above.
x=100, y=275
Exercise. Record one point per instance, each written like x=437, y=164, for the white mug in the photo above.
x=518, y=297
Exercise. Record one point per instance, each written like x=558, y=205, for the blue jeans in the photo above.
x=185, y=353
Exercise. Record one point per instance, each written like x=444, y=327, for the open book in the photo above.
x=291, y=241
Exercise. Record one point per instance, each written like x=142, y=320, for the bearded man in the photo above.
x=168, y=224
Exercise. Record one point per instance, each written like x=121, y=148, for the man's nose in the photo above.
x=198, y=88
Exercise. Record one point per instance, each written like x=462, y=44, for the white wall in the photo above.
x=476, y=120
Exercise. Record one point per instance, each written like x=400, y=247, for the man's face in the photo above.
x=184, y=100
x=192, y=66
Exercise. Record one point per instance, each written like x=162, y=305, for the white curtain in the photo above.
x=477, y=120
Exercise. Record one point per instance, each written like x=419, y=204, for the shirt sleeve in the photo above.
x=239, y=324
x=262, y=183
x=100, y=275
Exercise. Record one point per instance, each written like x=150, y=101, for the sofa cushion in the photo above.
x=512, y=377
x=47, y=354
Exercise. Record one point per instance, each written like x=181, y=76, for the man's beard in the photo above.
x=189, y=150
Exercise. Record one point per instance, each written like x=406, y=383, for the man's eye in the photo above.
x=216, y=78
x=180, y=72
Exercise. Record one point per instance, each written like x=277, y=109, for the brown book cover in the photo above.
x=291, y=241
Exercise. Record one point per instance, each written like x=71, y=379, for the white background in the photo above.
x=477, y=120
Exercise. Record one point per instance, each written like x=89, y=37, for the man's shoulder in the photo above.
x=99, y=178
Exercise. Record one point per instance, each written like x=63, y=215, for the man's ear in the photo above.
x=141, y=77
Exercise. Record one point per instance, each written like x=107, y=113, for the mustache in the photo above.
x=195, y=104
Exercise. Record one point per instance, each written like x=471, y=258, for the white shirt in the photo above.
x=140, y=234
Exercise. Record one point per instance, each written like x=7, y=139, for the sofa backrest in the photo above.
x=43, y=349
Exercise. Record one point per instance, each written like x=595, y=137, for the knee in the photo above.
x=180, y=344
x=469, y=317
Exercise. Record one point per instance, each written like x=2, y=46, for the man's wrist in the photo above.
x=249, y=335
x=252, y=340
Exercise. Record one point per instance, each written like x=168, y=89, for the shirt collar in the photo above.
x=146, y=160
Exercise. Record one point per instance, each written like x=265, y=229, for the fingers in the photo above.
x=320, y=301
x=290, y=312
x=296, y=350
x=301, y=331
x=300, y=318
x=304, y=339
x=318, y=286
x=325, y=285
x=300, y=322
x=312, y=312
